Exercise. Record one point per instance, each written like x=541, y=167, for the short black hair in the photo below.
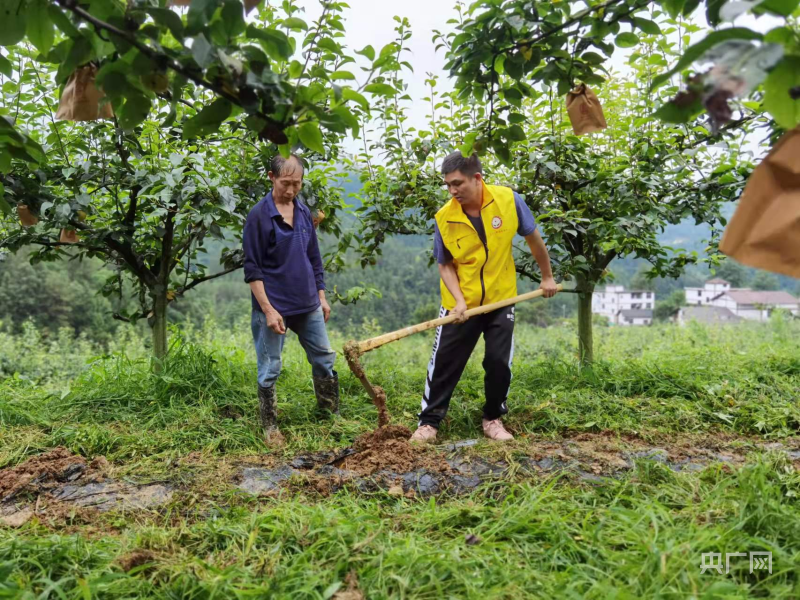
x=278, y=162
x=457, y=162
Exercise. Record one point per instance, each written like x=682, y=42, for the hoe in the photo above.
x=353, y=350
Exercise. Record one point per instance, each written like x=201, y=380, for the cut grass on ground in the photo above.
x=639, y=536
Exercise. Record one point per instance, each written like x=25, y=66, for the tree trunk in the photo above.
x=159, y=323
x=585, y=339
x=161, y=290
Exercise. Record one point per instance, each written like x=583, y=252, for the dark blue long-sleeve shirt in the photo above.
x=286, y=259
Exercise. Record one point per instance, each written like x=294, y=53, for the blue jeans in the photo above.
x=309, y=327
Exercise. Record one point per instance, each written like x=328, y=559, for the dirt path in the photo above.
x=58, y=484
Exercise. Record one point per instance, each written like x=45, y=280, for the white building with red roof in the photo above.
x=756, y=306
x=743, y=302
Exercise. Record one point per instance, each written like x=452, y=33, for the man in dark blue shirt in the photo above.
x=283, y=266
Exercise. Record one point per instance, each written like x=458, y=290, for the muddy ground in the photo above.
x=58, y=484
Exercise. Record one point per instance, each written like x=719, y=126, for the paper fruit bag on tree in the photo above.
x=80, y=100
x=69, y=236
x=584, y=110
x=765, y=229
x=26, y=217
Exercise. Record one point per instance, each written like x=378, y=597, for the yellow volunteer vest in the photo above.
x=486, y=273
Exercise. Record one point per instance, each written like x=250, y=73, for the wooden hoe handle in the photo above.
x=379, y=341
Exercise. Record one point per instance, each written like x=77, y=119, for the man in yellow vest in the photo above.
x=472, y=244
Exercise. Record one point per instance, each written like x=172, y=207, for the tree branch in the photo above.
x=728, y=127
x=196, y=282
x=49, y=244
x=610, y=255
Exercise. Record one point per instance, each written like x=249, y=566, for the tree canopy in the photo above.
x=188, y=101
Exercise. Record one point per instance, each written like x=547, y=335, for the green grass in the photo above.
x=639, y=536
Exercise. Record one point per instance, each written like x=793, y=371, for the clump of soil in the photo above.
x=352, y=592
x=57, y=465
x=382, y=436
x=54, y=513
x=387, y=448
x=134, y=559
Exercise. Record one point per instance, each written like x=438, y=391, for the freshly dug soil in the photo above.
x=137, y=558
x=57, y=465
x=387, y=448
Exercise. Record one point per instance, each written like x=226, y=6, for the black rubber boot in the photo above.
x=327, y=392
x=268, y=409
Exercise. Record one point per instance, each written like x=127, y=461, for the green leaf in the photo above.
x=40, y=27
x=207, y=120
x=351, y=94
x=627, y=40
x=594, y=79
x=514, y=97
x=712, y=11
x=697, y=50
x=516, y=118
x=647, y=26
x=200, y=13
x=202, y=51
x=673, y=7
x=295, y=69
x=133, y=111
x=689, y=7
x=501, y=151
x=5, y=207
x=783, y=8
x=672, y=113
x=311, y=137
x=13, y=21
x=331, y=590
x=381, y=89
x=295, y=24
x=35, y=151
x=367, y=51
x=349, y=119
x=5, y=66
x=169, y=19
x=274, y=42
x=342, y=75
x=62, y=21
x=514, y=67
x=233, y=18
x=779, y=35
x=255, y=123
x=592, y=58
x=777, y=101
x=79, y=54
x=328, y=44
x=515, y=134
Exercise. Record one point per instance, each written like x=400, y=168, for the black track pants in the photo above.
x=451, y=350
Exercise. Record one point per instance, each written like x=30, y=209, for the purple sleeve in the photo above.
x=527, y=224
x=252, y=244
x=316, y=259
x=440, y=253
